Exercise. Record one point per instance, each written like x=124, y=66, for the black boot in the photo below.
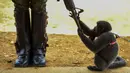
x=39, y=37
x=39, y=58
x=23, y=36
x=22, y=60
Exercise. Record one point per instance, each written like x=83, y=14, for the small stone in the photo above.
x=9, y=61
x=127, y=60
x=12, y=54
x=6, y=55
x=12, y=42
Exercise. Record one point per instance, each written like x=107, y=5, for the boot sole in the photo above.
x=39, y=65
x=21, y=66
x=25, y=65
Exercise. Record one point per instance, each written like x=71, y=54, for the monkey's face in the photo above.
x=102, y=26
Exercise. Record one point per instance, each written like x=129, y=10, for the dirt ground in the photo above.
x=63, y=51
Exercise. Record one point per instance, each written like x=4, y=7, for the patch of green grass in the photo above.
x=6, y=12
x=5, y=3
x=1, y=16
x=117, y=14
x=6, y=15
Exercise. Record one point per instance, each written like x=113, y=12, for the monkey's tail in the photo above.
x=124, y=38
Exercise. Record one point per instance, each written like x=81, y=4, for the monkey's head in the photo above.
x=102, y=26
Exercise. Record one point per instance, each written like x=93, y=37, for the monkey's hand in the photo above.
x=72, y=16
x=116, y=35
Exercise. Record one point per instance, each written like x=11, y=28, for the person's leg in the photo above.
x=39, y=35
x=22, y=22
x=119, y=62
x=100, y=63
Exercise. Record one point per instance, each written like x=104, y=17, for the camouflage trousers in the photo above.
x=31, y=32
x=38, y=5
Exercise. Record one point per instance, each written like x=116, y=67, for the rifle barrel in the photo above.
x=75, y=18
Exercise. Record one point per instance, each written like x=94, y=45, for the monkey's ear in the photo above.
x=104, y=25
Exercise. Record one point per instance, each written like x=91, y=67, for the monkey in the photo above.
x=102, y=42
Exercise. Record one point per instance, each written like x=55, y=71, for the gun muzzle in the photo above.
x=69, y=5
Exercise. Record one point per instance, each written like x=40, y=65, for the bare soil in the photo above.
x=63, y=51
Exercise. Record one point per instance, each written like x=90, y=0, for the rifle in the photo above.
x=75, y=15
x=73, y=12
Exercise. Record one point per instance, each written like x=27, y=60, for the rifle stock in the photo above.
x=71, y=7
x=69, y=4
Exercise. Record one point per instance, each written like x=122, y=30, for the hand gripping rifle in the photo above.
x=73, y=12
x=75, y=15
